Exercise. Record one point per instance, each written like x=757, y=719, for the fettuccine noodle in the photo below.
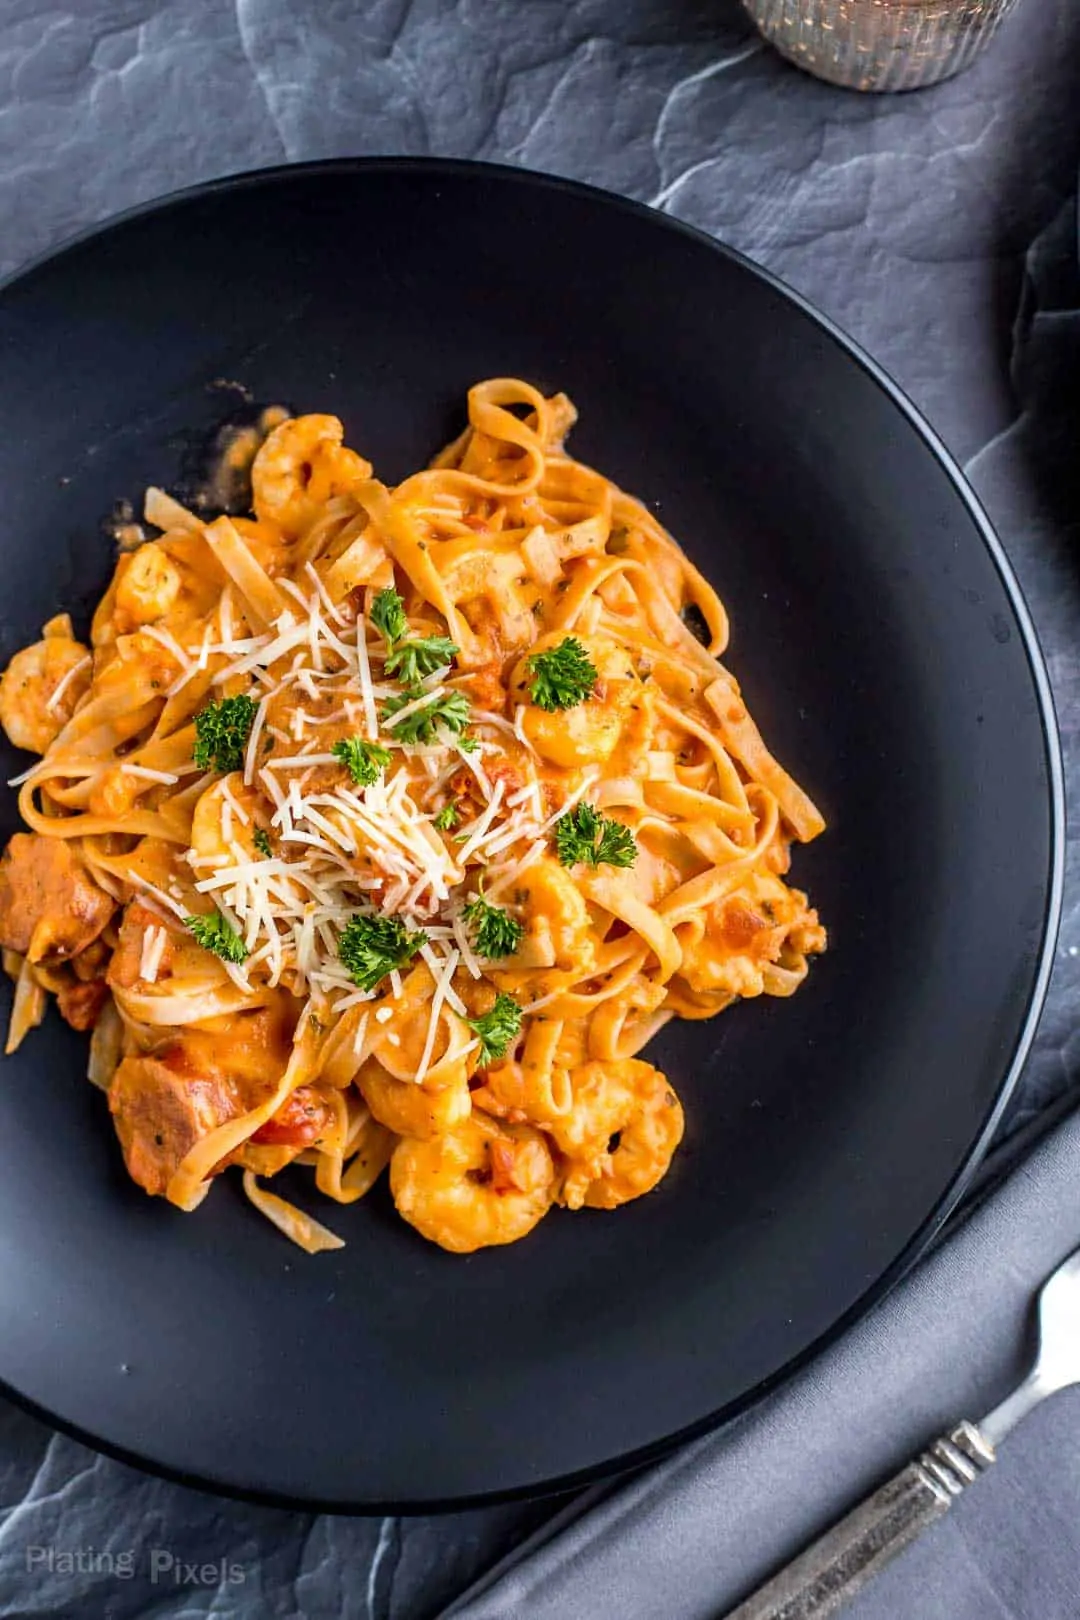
x=386, y=826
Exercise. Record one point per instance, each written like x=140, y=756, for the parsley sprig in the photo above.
x=448, y=712
x=495, y=931
x=261, y=840
x=412, y=660
x=213, y=933
x=364, y=761
x=408, y=658
x=447, y=818
x=371, y=947
x=221, y=733
x=585, y=835
x=561, y=677
x=388, y=616
x=497, y=1029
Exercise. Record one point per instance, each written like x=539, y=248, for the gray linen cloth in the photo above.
x=691, y=1536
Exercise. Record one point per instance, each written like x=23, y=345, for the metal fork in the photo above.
x=832, y=1570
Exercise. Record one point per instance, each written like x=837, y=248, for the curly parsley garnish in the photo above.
x=585, y=835
x=498, y=1028
x=214, y=934
x=221, y=733
x=447, y=818
x=495, y=931
x=388, y=616
x=371, y=947
x=261, y=840
x=446, y=713
x=561, y=677
x=411, y=660
x=364, y=761
x=408, y=658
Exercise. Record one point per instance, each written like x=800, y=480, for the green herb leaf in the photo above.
x=447, y=818
x=585, y=835
x=420, y=656
x=561, y=677
x=364, y=761
x=261, y=840
x=215, y=934
x=497, y=1029
x=448, y=713
x=221, y=733
x=388, y=616
x=371, y=947
x=495, y=931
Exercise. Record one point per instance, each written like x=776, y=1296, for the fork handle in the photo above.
x=833, y=1569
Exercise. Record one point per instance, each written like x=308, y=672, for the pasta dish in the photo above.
x=386, y=826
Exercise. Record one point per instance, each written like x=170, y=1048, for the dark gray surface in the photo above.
x=939, y=229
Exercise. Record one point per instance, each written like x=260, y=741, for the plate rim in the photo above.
x=610, y=1468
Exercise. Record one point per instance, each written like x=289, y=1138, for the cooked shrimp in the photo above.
x=558, y=929
x=620, y=1134
x=589, y=732
x=410, y=1109
x=147, y=585
x=40, y=689
x=478, y=1185
x=300, y=467
x=730, y=947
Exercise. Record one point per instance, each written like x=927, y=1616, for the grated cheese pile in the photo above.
x=339, y=848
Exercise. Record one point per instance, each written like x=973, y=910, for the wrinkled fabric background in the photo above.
x=938, y=228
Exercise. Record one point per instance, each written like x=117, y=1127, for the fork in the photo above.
x=833, y=1569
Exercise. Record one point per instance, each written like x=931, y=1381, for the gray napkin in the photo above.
x=690, y=1537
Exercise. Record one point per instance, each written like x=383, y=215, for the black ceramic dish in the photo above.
x=885, y=651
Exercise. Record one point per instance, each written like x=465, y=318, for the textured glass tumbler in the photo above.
x=879, y=44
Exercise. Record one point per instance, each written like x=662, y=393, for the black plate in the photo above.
x=884, y=649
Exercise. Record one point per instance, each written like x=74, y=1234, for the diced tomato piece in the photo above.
x=503, y=1158
x=300, y=1120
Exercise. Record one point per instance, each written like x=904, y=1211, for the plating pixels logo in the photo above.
x=165, y=1568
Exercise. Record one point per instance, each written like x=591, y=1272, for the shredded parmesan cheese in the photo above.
x=165, y=901
x=153, y=948
x=360, y=1035
x=442, y=986
x=251, y=752
x=62, y=686
x=171, y=645
x=167, y=778
x=571, y=799
x=480, y=826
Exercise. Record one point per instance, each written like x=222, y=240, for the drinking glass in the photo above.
x=880, y=44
